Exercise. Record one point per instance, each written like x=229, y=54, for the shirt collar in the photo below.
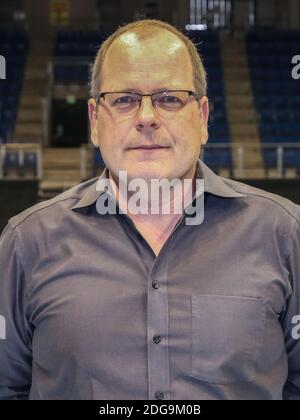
x=213, y=184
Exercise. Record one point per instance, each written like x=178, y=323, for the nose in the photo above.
x=147, y=116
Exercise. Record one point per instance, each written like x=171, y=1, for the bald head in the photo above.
x=138, y=35
x=157, y=57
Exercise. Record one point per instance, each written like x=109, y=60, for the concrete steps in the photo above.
x=236, y=101
x=30, y=101
x=241, y=112
x=61, y=170
x=29, y=123
x=32, y=115
x=242, y=115
x=28, y=128
x=239, y=129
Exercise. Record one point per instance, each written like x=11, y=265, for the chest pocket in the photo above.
x=227, y=334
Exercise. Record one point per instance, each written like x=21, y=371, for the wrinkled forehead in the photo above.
x=161, y=57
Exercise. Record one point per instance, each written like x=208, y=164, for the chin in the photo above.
x=157, y=170
x=147, y=175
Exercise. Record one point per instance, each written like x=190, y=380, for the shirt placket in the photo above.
x=157, y=331
x=157, y=315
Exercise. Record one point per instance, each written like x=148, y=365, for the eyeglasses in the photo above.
x=166, y=102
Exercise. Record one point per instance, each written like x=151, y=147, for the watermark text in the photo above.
x=296, y=329
x=2, y=67
x=2, y=328
x=156, y=197
x=296, y=69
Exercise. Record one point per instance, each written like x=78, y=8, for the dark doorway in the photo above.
x=69, y=122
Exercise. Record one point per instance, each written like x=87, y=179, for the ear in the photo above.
x=204, y=115
x=92, y=108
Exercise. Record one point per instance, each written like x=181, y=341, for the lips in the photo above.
x=148, y=147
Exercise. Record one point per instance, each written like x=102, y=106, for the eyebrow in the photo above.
x=130, y=89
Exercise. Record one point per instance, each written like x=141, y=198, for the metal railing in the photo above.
x=277, y=159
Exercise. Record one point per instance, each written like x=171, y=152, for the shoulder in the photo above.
x=61, y=203
x=266, y=201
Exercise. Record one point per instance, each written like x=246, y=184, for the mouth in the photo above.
x=149, y=147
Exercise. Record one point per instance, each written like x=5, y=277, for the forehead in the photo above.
x=158, y=61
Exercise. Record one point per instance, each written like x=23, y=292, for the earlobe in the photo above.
x=204, y=110
x=94, y=136
x=204, y=136
x=204, y=115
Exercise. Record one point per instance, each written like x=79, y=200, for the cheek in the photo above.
x=113, y=135
x=186, y=132
x=195, y=122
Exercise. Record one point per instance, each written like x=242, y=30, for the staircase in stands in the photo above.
x=241, y=112
x=29, y=124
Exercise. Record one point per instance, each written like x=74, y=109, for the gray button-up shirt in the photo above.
x=89, y=312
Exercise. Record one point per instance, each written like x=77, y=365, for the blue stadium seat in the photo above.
x=11, y=162
x=30, y=163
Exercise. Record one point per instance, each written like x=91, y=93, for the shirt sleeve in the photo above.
x=291, y=320
x=15, y=336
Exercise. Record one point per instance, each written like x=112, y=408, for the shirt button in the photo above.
x=159, y=395
x=155, y=285
x=156, y=339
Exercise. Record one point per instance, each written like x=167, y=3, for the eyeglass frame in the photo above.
x=196, y=95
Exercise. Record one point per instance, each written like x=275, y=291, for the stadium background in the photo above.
x=251, y=51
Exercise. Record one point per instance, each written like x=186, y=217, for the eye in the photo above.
x=169, y=102
x=125, y=100
x=169, y=99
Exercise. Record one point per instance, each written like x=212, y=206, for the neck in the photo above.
x=155, y=228
x=157, y=202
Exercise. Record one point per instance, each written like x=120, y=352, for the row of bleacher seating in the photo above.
x=283, y=85
x=14, y=47
x=280, y=138
x=277, y=103
x=77, y=74
x=274, y=47
x=265, y=74
x=282, y=128
x=285, y=116
x=287, y=36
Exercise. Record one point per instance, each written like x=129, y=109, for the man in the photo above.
x=146, y=306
